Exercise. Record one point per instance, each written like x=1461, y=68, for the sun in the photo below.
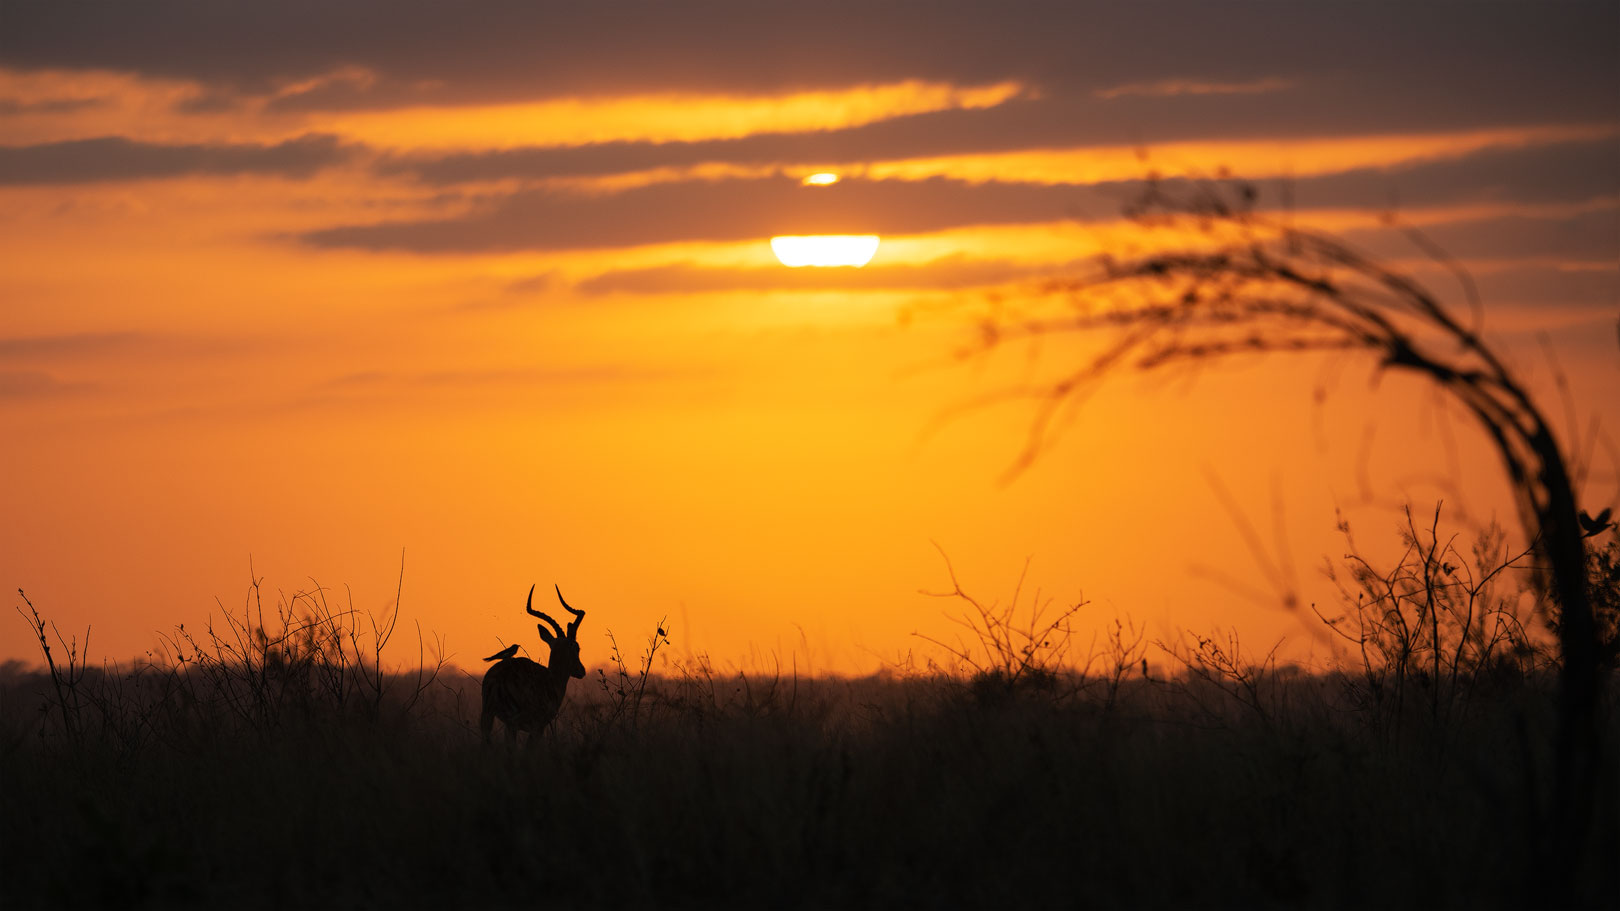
x=825, y=249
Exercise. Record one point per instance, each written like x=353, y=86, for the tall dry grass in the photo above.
x=258, y=767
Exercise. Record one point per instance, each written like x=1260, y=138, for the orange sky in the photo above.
x=315, y=302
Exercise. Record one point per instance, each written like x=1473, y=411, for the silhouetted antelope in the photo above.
x=524, y=695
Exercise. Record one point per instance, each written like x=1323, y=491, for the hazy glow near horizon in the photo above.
x=515, y=317
x=825, y=249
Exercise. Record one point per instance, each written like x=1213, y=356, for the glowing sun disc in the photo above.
x=825, y=249
x=820, y=179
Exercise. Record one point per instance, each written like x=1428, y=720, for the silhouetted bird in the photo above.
x=1597, y=525
x=504, y=653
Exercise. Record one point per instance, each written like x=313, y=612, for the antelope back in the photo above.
x=525, y=696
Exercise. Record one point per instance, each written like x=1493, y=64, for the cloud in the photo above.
x=545, y=281
x=1520, y=59
x=14, y=106
x=70, y=345
x=33, y=384
x=1556, y=173
x=350, y=87
x=721, y=210
x=1592, y=236
x=1172, y=87
x=1047, y=124
x=953, y=272
x=1534, y=284
x=116, y=158
x=493, y=386
x=748, y=208
x=1542, y=285
x=128, y=350
x=369, y=380
x=931, y=133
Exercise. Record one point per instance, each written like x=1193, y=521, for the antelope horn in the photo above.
x=573, y=625
x=555, y=626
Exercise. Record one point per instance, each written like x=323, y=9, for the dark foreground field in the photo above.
x=1158, y=790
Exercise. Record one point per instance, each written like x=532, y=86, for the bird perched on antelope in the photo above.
x=526, y=695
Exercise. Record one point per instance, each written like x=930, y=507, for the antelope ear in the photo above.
x=545, y=634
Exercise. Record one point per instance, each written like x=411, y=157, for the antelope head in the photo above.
x=564, y=643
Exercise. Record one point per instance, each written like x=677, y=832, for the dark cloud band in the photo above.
x=117, y=158
x=718, y=211
x=1045, y=123
x=956, y=272
x=729, y=210
x=1352, y=61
